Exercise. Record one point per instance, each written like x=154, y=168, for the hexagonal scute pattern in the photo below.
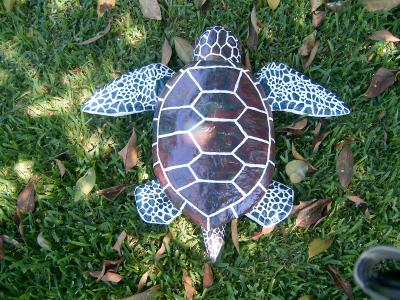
x=213, y=151
x=219, y=105
x=218, y=43
x=217, y=136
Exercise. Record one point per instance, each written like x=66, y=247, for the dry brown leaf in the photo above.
x=108, y=272
x=273, y=4
x=384, y=35
x=373, y=5
x=308, y=47
x=208, y=276
x=252, y=37
x=183, y=49
x=235, y=235
x=360, y=203
x=150, y=9
x=318, y=140
x=311, y=213
x=295, y=128
x=262, y=232
x=146, y=295
x=26, y=199
x=104, y=6
x=108, y=276
x=99, y=35
x=344, y=166
x=382, y=80
x=165, y=242
x=129, y=153
x=142, y=282
x=341, y=283
x=166, y=52
x=112, y=192
x=247, y=62
x=296, y=153
x=338, y=5
x=296, y=170
x=340, y=145
x=318, y=17
x=187, y=282
x=201, y=4
x=308, y=60
x=317, y=246
x=120, y=240
x=315, y=4
x=61, y=167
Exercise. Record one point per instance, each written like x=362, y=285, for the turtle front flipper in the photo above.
x=213, y=240
x=134, y=92
x=274, y=207
x=291, y=91
x=153, y=205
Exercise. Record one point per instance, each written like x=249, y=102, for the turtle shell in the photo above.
x=213, y=145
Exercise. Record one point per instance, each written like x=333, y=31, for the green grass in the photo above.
x=45, y=75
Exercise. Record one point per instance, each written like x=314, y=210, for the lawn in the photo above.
x=45, y=75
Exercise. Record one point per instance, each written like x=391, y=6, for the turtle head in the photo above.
x=218, y=43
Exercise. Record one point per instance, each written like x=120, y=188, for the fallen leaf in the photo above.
x=318, y=127
x=310, y=58
x=235, y=235
x=208, y=276
x=10, y=241
x=308, y=48
x=109, y=266
x=109, y=276
x=296, y=170
x=296, y=154
x=85, y=184
x=311, y=213
x=262, y=232
x=273, y=4
x=142, y=282
x=129, y=153
x=150, y=9
x=99, y=35
x=165, y=242
x=317, y=246
x=120, y=240
x=318, y=140
x=183, y=49
x=26, y=199
x=296, y=128
x=318, y=17
x=373, y=5
x=360, y=203
x=61, y=167
x=1, y=249
x=146, y=295
x=201, y=4
x=112, y=192
x=187, y=282
x=306, y=297
x=340, y=145
x=384, y=35
x=9, y=4
x=382, y=79
x=166, y=52
x=42, y=242
x=247, y=62
x=338, y=5
x=344, y=166
x=252, y=37
x=104, y=6
x=315, y=4
x=341, y=283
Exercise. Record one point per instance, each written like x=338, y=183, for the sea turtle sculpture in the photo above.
x=213, y=137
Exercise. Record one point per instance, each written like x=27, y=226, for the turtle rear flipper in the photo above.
x=213, y=240
x=274, y=207
x=134, y=92
x=153, y=205
x=291, y=91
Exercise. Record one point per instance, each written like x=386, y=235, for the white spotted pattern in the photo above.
x=213, y=240
x=291, y=91
x=133, y=92
x=274, y=207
